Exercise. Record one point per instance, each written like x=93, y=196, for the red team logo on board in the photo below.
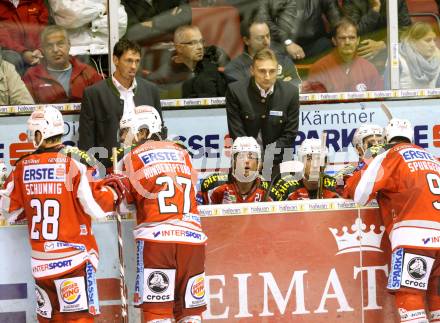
x=19, y=149
x=70, y=291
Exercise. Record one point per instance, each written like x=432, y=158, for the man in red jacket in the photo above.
x=21, y=23
x=59, y=78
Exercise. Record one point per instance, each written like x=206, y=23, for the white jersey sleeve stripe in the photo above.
x=85, y=195
x=369, y=177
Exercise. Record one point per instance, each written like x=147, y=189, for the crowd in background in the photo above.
x=193, y=48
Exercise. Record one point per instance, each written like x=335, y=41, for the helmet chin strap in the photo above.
x=253, y=174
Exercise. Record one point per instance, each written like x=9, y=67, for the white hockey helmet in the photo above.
x=48, y=121
x=399, y=128
x=245, y=144
x=309, y=147
x=312, y=147
x=365, y=131
x=144, y=116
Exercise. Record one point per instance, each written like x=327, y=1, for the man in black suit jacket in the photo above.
x=105, y=102
x=263, y=107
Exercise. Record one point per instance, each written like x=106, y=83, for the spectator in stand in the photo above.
x=21, y=22
x=264, y=108
x=419, y=58
x=105, y=103
x=193, y=70
x=298, y=26
x=343, y=70
x=149, y=19
x=12, y=89
x=256, y=36
x=87, y=24
x=371, y=18
x=59, y=78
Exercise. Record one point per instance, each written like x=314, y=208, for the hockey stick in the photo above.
x=123, y=287
x=386, y=110
x=320, y=192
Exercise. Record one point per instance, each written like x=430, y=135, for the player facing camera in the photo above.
x=366, y=136
x=246, y=160
x=243, y=184
x=308, y=181
x=314, y=157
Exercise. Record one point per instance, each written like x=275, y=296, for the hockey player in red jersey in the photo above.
x=243, y=184
x=304, y=186
x=51, y=187
x=405, y=180
x=366, y=136
x=170, y=277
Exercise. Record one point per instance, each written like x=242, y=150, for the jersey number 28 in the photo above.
x=47, y=213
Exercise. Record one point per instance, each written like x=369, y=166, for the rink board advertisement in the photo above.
x=319, y=261
x=204, y=130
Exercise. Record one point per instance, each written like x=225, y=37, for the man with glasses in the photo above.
x=193, y=70
x=59, y=78
x=105, y=103
x=343, y=70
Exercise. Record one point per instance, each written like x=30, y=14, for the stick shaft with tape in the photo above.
x=320, y=192
x=123, y=287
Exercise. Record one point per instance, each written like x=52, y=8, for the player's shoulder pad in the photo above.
x=214, y=180
x=79, y=155
x=284, y=187
x=179, y=143
x=263, y=183
x=329, y=182
x=23, y=157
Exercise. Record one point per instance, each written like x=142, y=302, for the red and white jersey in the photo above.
x=162, y=184
x=51, y=188
x=220, y=189
x=406, y=179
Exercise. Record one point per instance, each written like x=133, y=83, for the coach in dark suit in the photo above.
x=263, y=107
x=105, y=102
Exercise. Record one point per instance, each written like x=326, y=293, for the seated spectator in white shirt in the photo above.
x=86, y=22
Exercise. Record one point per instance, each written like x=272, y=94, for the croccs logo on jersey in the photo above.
x=416, y=154
x=70, y=291
x=158, y=282
x=417, y=268
x=198, y=288
x=162, y=155
x=44, y=173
